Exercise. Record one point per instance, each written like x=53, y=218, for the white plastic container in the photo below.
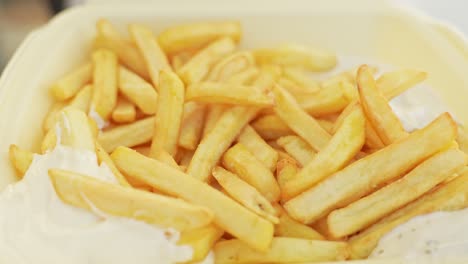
x=369, y=29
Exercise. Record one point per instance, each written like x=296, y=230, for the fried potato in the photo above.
x=213, y=113
x=297, y=148
x=178, y=60
x=20, y=159
x=394, y=83
x=360, y=214
x=328, y=100
x=245, y=76
x=128, y=135
x=301, y=78
x=124, y=111
x=327, y=125
x=381, y=167
x=154, y=57
x=69, y=85
x=342, y=147
x=378, y=111
x=245, y=194
x=201, y=240
x=286, y=170
x=51, y=118
x=258, y=147
x=449, y=196
x=282, y=250
x=230, y=65
x=81, y=191
x=227, y=93
x=271, y=127
x=373, y=140
x=295, y=55
x=250, y=228
x=167, y=159
x=462, y=139
x=105, y=90
x=50, y=140
x=192, y=125
x=104, y=157
x=288, y=227
x=298, y=120
x=196, y=35
x=138, y=91
x=242, y=162
x=75, y=131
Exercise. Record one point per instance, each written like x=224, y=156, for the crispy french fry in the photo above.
x=201, y=240
x=69, y=85
x=248, y=227
x=196, y=35
x=271, y=127
x=245, y=76
x=124, y=111
x=75, y=131
x=327, y=125
x=288, y=227
x=299, y=77
x=269, y=74
x=227, y=93
x=295, y=55
x=81, y=191
x=104, y=157
x=196, y=69
x=292, y=87
x=395, y=83
x=213, y=114
x=348, y=109
x=168, y=114
x=51, y=118
x=20, y=159
x=374, y=170
x=364, y=212
x=241, y=161
x=446, y=197
x=138, y=91
x=154, y=57
x=167, y=159
x=282, y=250
x=230, y=65
x=105, y=90
x=257, y=146
x=298, y=120
x=342, y=147
x=328, y=100
x=286, y=170
x=378, y=111
x=297, y=148
x=192, y=125
x=49, y=141
x=82, y=100
x=128, y=135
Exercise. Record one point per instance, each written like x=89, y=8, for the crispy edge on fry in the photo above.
x=69, y=84
x=20, y=159
x=298, y=148
x=138, y=91
x=105, y=90
x=201, y=240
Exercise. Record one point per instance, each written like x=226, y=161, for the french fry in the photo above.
x=250, y=228
x=271, y=127
x=344, y=114
x=75, y=131
x=257, y=146
x=143, y=149
x=227, y=93
x=328, y=100
x=51, y=118
x=167, y=159
x=201, y=240
x=327, y=125
x=282, y=250
x=230, y=65
x=192, y=125
x=378, y=111
x=300, y=77
x=195, y=35
x=373, y=140
x=82, y=100
x=374, y=170
x=178, y=60
x=213, y=113
x=168, y=115
x=138, y=91
x=242, y=162
x=69, y=85
x=21, y=159
x=342, y=147
x=154, y=57
x=462, y=139
x=449, y=196
x=104, y=157
x=292, y=87
x=269, y=74
x=105, y=90
x=288, y=227
x=245, y=76
x=50, y=140
x=295, y=55
x=81, y=191
x=297, y=148
x=186, y=157
x=128, y=135
x=124, y=111
x=286, y=170
x=200, y=64
x=394, y=83
x=362, y=213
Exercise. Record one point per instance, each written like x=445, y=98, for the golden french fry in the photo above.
x=297, y=148
x=257, y=146
x=167, y=159
x=214, y=112
x=81, y=191
x=200, y=64
x=341, y=148
x=75, y=131
x=328, y=100
x=51, y=118
x=395, y=83
x=128, y=135
x=462, y=139
x=250, y=228
x=374, y=170
x=154, y=57
x=50, y=140
x=192, y=125
x=245, y=194
x=267, y=77
x=292, y=87
x=282, y=250
x=378, y=111
x=362, y=213
x=178, y=60
x=271, y=127
x=138, y=91
x=195, y=35
x=20, y=159
x=104, y=157
x=201, y=240
x=69, y=85
x=288, y=227
x=286, y=170
x=245, y=76
x=124, y=111
x=230, y=65
x=82, y=100
x=242, y=162
x=327, y=125
x=300, y=77
x=143, y=149
x=168, y=115
x=344, y=114
x=227, y=93
x=373, y=140
x=449, y=196
x=104, y=97
x=295, y=55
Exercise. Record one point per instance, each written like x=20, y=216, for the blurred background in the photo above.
x=19, y=17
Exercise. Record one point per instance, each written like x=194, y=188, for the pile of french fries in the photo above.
x=242, y=151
